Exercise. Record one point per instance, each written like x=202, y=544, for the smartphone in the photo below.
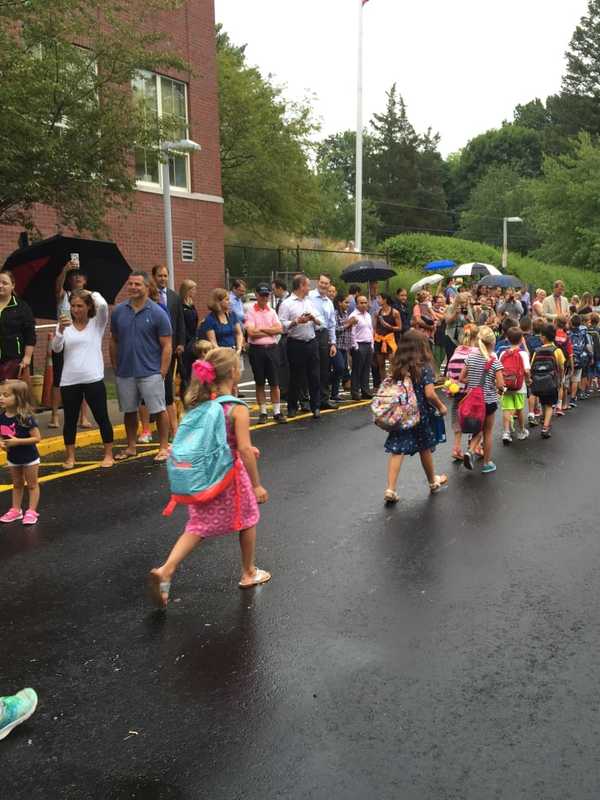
x=75, y=258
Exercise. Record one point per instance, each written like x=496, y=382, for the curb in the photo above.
x=55, y=444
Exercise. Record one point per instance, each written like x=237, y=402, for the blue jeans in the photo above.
x=339, y=369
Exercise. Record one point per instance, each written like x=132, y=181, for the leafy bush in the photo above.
x=409, y=252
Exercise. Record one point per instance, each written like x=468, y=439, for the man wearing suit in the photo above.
x=555, y=305
x=172, y=302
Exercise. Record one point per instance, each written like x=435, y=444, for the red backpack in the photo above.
x=514, y=371
x=471, y=410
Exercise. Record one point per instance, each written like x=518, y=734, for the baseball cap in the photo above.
x=263, y=288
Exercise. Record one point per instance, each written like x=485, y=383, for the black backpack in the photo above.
x=544, y=372
x=594, y=335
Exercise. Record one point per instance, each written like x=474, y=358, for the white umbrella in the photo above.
x=428, y=280
x=475, y=269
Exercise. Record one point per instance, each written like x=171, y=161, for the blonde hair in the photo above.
x=216, y=298
x=470, y=335
x=185, y=287
x=223, y=360
x=486, y=340
x=202, y=347
x=20, y=389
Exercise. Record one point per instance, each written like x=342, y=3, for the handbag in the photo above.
x=471, y=409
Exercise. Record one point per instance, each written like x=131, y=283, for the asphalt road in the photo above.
x=443, y=649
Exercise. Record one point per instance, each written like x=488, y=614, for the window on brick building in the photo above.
x=162, y=97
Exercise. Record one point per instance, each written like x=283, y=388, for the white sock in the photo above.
x=276, y=408
x=263, y=408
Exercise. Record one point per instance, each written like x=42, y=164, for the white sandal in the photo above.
x=440, y=480
x=260, y=576
x=390, y=497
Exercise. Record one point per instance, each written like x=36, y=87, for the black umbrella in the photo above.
x=37, y=267
x=365, y=271
x=501, y=281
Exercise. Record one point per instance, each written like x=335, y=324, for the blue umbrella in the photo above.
x=435, y=266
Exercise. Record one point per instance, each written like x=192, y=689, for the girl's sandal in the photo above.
x=390, y=497
x=260, y=576
x=458, y=455
x=159, y=590
x=440, y=480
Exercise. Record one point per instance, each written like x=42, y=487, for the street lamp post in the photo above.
x=505, y=240
x=182, y=146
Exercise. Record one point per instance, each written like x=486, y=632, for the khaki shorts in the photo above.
x=131, y=392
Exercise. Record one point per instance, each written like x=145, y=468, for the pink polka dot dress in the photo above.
x=235, y=509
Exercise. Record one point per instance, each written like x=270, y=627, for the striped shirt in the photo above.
x=343, y=335
x=476, y=365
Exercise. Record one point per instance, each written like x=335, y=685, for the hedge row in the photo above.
x=409, y=252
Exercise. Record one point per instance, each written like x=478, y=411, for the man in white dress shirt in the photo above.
x=300, y=320
x=325, y=336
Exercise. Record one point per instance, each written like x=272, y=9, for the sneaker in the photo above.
x=12, y=515
x=145, y=438
x=533, y=421
x=468, y=460
x=506, y=438
x=31, y=517
x=560, y=412
x=546, y=434
x=522, y=435
x=281, y=419
x=16, y=709
x=262, y=418
x=573, y=404
x=489, y=467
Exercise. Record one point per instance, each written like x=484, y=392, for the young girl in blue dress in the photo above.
x=414, y=360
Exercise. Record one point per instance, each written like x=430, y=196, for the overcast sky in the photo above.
x=462, y=66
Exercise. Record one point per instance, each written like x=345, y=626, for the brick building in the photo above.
x=197, y=205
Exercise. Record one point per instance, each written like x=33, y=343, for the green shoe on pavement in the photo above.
x=15, y=709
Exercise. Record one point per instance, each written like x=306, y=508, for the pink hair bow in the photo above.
x=204, y=371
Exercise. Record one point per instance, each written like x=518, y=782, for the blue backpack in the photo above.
x=581, y=347
x=201, y=464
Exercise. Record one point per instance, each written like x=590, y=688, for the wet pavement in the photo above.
x=443, y=649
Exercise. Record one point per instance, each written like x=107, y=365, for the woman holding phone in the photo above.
x=17, y=331
x=79, y=337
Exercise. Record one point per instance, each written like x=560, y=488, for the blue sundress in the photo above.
x=424, y=436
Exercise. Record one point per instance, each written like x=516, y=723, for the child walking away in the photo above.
x=457, y=389
x=412, y=366
x=533, y=342
x=516, y=367
x=547, y=371
x=594, y=334
x=212, y=468
x=483, y=369
x=20, y=436
x=563, y=342
x=581, y=357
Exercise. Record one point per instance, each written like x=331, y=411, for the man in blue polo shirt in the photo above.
x=140, y=352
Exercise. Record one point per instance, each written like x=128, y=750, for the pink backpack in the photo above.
x=395, y=407
x=471, y=410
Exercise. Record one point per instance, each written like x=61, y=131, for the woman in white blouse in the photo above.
x=80, y=341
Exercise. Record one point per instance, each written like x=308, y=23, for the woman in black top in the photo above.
x=17, y=331
x=187, y=293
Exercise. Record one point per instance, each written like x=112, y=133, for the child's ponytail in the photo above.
x=208, y=373
x=486, y=341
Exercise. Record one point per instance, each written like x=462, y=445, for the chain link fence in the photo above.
x=263, y=264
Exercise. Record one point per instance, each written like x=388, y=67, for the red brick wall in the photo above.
x=140, y=234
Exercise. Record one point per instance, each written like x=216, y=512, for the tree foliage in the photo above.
x=265, y=148
x=501, y=192
x=565, y=207
x=69, y=120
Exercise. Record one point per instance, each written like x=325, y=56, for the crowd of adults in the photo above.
x=308, y=346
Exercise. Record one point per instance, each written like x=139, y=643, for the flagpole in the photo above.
x=359, y=137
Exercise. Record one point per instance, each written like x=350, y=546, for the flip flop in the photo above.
x=123, y=456
x=160, y=459
x=260, y=576
x=440, y=480
x=157, y=589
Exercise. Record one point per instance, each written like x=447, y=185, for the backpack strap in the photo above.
x=229, y=398
x=486, y=368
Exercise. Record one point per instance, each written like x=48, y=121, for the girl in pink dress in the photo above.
x=218, y=374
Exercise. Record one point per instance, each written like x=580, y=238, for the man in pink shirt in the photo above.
x=263, y=327
x=362, y=348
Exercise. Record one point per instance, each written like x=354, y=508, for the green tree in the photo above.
x=511, y=145
x=69, y=119
x=500, y=193
x=404, y=175
x=265, y=148
x=565, y=207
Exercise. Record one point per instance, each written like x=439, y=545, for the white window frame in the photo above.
x=151, y=185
